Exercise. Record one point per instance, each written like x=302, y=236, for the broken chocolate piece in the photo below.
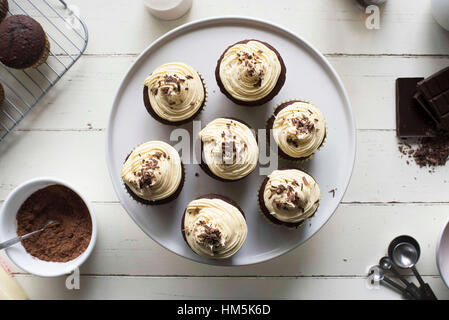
x=426, y=107
x=411, y=119
x=441, y=103
x=435, y=84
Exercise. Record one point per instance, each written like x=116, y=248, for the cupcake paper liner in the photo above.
x=44, y=55
x=281, y=223
x=145, y=202
x=286, y=157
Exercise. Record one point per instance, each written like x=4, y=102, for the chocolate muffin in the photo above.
x=229, y=150
x=288, y=197
x=4, y=7
x=2, y=95
x=23, y=43
x=174, y=93
x=153, y=173
x=214, y=226
x=250, y=72
x=299, y=129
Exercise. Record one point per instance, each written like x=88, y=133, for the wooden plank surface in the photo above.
x=123, y=249
x=334, y=26
x=65, y=137
x=113, y=287
x=68, y=153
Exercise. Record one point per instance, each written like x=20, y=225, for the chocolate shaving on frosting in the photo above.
x=211, y=236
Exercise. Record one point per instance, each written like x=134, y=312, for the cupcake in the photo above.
x=288, y=197
x=23, y=43
x=214, y=226
x=250, y=72
x=229, y=150
x=299, y=128
x=153, y=173
x=174, y=93
x=4, y=7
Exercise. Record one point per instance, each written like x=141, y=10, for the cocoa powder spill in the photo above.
x=428, y=151
x=64, y=240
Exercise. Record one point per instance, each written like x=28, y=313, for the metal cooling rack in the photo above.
x=68, y=38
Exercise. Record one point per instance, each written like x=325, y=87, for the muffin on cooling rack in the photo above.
x=250, y=72
x=153, y=173
x=4, y=7
x=288, y=197
x=214, y=226
x=229, y=150
x=23, y=43
x=174, y=93
x=2, y=95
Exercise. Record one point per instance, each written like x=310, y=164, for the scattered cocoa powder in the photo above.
x=64, y=240
x=428, y=151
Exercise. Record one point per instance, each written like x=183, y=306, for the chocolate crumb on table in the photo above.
x=428, y=151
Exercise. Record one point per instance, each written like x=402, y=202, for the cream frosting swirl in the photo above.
x=175, y=91
x=153, y=171
x=299, y=129
x=229, y=148
x=249, y=71
x=291, y=195
x=214, y=228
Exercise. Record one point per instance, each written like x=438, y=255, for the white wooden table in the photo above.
x=65, y=137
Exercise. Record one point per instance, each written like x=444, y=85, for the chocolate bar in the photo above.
x=419, y=98
x=435, y=84
x=411, y=119
x=433, y=97
x=441, y=103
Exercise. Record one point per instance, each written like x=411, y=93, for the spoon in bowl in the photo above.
x=15, y=240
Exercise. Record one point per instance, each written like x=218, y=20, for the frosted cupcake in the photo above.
x=250, y=72
x=214, y=226
x=229, y=149
x=288, y=197
x=299, y=129
x=174, y=93
x=153, y=173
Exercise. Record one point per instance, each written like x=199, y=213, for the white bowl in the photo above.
x=17, y=253
x=440, y=11
x=443, y=254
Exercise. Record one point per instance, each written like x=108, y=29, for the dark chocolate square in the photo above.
x=441, y=103
x=435, y=84
x=411, y=119
x=422, y=102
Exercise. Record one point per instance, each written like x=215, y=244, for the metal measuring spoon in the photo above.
x=15, y=240
x=404, y=252
x=379, y=275
x=386, y=265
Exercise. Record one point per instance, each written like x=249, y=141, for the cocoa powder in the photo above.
x=64, y=240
